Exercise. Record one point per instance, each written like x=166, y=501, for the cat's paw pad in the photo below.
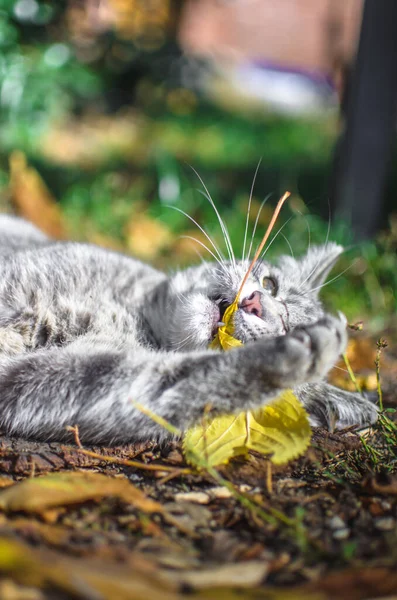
x=328, y=341
x=311, y=351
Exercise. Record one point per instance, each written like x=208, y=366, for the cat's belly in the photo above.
x=30, y=330
x=54, y=295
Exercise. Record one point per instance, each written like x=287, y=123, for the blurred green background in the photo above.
x=103, y=117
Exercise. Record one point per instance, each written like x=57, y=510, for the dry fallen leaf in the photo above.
x=38, y=494
x=361, y=354
x=32, y=197
x=82, y=579
x=281, y=429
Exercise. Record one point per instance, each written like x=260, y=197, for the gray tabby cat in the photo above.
x=84, y=331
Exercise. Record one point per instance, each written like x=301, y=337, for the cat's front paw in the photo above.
x=328, y=340
x=308, y=353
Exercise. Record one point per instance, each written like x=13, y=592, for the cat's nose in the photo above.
x=252, y=305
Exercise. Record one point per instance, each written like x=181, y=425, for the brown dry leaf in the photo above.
x=6, y=481
x=353, y=584
x=11, y=591
x=55, y=535
x=147, y=237
x=38, y=494
x=136, y=580
x=82, y=579
x=32, y=197
x=365, y=382
x=361, y=353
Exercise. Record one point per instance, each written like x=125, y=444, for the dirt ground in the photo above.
x=136, y=522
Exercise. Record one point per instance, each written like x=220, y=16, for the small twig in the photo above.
x=136, y=464
x=33, y=467
x=75, y=431
x=168, y=477
x=269, y=481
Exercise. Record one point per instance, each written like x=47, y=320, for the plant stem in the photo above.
x=351, y=373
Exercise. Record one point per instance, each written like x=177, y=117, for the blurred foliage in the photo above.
x=110, y=113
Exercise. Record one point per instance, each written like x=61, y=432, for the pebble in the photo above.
x=337, y=523
x=341, y=534
x=385, y=523
x=220, y=491
x=244, y=488
x=197, y=497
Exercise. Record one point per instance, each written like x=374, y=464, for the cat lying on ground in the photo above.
x=83, y=331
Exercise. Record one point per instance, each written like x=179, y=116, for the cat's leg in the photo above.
x=89, y=384
x=332, y=407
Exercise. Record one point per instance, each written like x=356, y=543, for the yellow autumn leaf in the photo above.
x=224, y=339
x=280, y=429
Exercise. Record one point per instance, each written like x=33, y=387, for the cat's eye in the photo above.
x=269, y=284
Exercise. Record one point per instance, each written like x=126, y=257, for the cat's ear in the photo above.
x=316, y=265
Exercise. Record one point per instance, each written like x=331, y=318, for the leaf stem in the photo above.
x=264, y=240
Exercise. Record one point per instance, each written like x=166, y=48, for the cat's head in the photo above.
x=275, y=299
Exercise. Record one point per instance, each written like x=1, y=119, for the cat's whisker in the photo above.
x=256, y=224
x=225, y=231
x=340, y=369
x=276, y=236
x=182, y=343
x=249, y=208
x=220, y=220
x=202, y=259
x=289, y=245
x=308, y=249
x=215, y=247
x=325, y=244
x=190, y=237
x=329, y=223
x=181, y=297
x=319, y=287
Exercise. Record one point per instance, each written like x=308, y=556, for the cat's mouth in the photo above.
x=251, y=331
x=220, y=307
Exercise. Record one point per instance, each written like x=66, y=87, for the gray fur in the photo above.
x=84, y=331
